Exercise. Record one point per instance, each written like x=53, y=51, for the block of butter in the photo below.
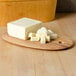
x=22, y=27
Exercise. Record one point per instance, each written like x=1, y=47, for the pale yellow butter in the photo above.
x=22, y=27
x=34, y=38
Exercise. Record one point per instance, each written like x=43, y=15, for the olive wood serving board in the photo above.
x=62, y=42
x=58, y=44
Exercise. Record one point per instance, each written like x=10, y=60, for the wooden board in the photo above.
x=58, y=44
x=62, y=42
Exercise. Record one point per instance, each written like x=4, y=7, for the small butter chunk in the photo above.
x=48, y=38
x=42, y=31
x=43, y=35
x=34, y=39
x=38, y=32
x=50, y=32
x=38, y=35
x=54, y=36
x=31, y=34
x=22, y=27
x=43, y=40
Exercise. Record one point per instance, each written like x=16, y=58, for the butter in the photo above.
x=22, y=27
x=43, y=40
x=50, y=32
x=54, y=36
x=34, y=38
x=48, y=38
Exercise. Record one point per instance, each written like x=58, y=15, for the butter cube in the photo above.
x=22, y=27
x=48, y=38
x=43, y=40
x=42, y=31
x=50, y=32
x=34, y=38
x=54, y=36
x=38, y=35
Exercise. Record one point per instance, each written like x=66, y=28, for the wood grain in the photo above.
x=20, y=61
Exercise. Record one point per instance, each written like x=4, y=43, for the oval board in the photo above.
x=58, y=44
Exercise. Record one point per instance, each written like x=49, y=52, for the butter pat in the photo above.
x=43, y=40
x=34, y=39
x=54, y=36
x=48, y=38
x=22, y=27
x=50, y=32
x=42, y=31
